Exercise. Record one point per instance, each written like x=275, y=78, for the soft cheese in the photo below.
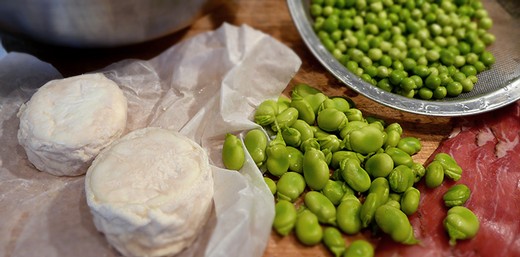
x=150, y=192
x=68, y=121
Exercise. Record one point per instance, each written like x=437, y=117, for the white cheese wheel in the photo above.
x=150, y=192
x=68, y=121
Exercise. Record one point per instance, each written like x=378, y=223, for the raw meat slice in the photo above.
x=487, y=147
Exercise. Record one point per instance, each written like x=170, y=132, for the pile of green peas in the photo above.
x=352, y=172
x=426, y=49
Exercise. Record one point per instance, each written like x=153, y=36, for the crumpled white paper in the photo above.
x=204, y=87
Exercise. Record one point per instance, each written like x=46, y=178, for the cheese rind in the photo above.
x=150, y=192
x=68, y=121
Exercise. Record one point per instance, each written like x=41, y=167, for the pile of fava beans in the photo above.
x=334, y=172
x=427, y=49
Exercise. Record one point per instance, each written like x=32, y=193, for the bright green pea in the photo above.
x=333, y=239
x=266, y=112
x=434, y=174
x=331, y=120
x=409, y=145
x=450, y=166
x=286, y=118
x=399, y=156
x=487, y=58
x=395, y=223
x=308, y=229
x=290, y=186
x=440, y=92
x=305, y=111
x=379, y=165
x=315, y=169
x=457, y=195
x=378, y=195
x=347, y=215
x=256, y=144
x=334, y=191
x=365, y=140
x=355, y=176
x=359, y=248
x=320, y=205
x=461, y=223
x=401, y=178
x=410, y=201
x=233, y=155
x=285, y=217
x=270, y=184
x=295, y=159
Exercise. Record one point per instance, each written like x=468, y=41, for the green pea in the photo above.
x=410, y=145
x=418, y=171
x=401, y=178
x=285, y=119
x=378, y=195
x=351, y=126
x=305, y=111
x=338, y=156
x=315, y=169
x=304, y=90
x=379, y=165
x=308, y=229
x=434, y=174
x=333, y=239
x=320, y=205
x=285, y=217
x=331, y=120
x=277, y=162
x=364, y=140
x=457, y=195
x=334, y=191
x=359, y=248
x=451, y=168
x=290, y=186
x=347, y=215
x=266, y=112
x=399, y=156
x=233, y=155
x=270, y=184
x=410, y=201
x=355, y=176
x=395, y=223
x=291, y=136
x=461, y=223
x=256, y=144
x=295, y=158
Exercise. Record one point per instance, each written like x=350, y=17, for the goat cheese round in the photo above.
x=150, y=192
x=68, y=121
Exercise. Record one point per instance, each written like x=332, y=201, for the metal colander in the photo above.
x=495, y=88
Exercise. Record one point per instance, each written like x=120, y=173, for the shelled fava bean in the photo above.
x=424, y=49
x=352, y=172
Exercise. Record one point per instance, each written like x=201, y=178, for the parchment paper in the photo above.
x=203, y=87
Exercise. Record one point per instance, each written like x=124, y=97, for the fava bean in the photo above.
x=457, y=195
x=305, y=129
x=285, y=217
x=347, y=215
x=333, y=190
x=338, y=156
x=418, y=171
x=450, y=166
x=270, y=184
x=359, y=248
x=315, y=101
x=304, y=90
x=308, y=229
x=399, y=156
x=266, y=112
x=434, y=174
x=377, y=196
x=351, y=126
x=233, y=155
x=295, y=159
x=290, y=186
x=331, y=120
x=461, y=223
x=401, y=178
x=305, y=111
x=330, y=142
x=392, y=139
x=393, y=203
x=292, y=137
x=283, y=102
x=410, y=201
x=355, y=176
x=320, y=205
x=341, y=103
x=285, y=119
x=311, y=143
x=256, y=144
x=409, y=145
x=333, y=239
x=354, y=114
x=379, y=165
x=395, y=223
x=364, y=140
x=315, y=169
x=277, y=156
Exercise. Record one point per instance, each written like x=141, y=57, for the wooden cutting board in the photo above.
x=271, y=17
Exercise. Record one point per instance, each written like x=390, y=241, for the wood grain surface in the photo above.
x=271, y=17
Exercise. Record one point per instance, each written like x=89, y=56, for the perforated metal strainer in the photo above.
x=495, y=88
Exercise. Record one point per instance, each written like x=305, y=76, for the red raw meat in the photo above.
x=487, y=147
